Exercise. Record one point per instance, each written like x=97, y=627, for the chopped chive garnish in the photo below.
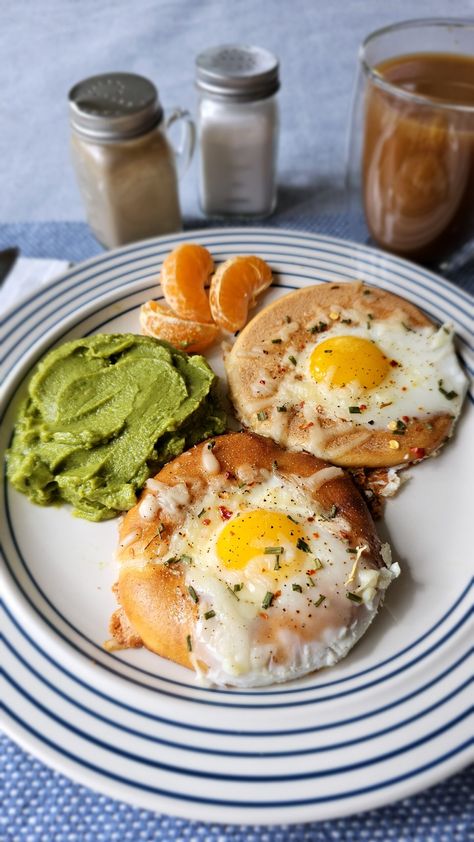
x=346, y=321
x=320, y=600
x=400, y=429
x=188, y=643
x=292, y=359
x=330, y=514
x=267, y=599
x=209, y=615
x=192, y=593
x=238, y=587
x=281, y=408
x=277, y=563
x=273, y=550
x=200, y=514
x=353, y=597
x=173, y=560
x=448, y=395
x=318, y=328
x=351, y=550
x=292, y=519
x=186, y=559
x=303, y=545
x=311, y=581
x=296, y=587
x=276, y=341
x=354, y=410
x=317, y=563
x=232, y=591
x=261, y=415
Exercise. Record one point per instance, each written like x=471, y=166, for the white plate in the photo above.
x=389, y=720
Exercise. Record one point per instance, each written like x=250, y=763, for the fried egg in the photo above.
x=351, y=373
x=279, y=579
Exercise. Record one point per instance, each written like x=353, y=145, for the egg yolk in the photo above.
x=246, y=537
x=343, y=359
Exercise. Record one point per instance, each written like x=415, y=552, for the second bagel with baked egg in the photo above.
x=350, y=373
x=251, y=564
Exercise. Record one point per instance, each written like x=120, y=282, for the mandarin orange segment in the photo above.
x=183, y=276
x=159, y=321
x=234, y=290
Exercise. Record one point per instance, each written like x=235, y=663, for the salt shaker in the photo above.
x=124, y=162
x=237, y=130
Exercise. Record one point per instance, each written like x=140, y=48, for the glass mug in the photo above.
x=411, y=146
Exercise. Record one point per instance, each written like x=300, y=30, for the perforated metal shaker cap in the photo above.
x=237, y=72
x=114, y=106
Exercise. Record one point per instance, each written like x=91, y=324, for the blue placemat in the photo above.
x=73, y=240
x=39, y=805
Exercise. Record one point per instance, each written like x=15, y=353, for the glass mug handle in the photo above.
x=185, y=149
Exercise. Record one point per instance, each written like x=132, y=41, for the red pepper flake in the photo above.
x=362, y=406
x=418, y=452
x=394, y=363
x=307, y=426
x=276, y=594
x=262, y=382
x=206, y=521
x=405, y=418
x=225, y=513
x=315, y=534
x=229, y=475
x=310, y=519
x=310, y=572
x=263, y=615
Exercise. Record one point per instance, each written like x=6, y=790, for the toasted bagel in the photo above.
x=184, y=602
x=276, y=392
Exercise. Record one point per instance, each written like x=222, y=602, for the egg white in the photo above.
x=225, y=643
x=425, y=357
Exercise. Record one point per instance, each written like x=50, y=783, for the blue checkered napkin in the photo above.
x=38, y=805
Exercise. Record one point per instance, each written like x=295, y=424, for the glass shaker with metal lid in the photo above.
x=238, y=130
x=124, y=162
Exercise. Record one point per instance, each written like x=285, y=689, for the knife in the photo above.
x=8, y=258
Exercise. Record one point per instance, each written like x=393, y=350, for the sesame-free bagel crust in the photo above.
x=349, y=444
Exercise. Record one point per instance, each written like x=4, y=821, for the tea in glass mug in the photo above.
x=417, y=141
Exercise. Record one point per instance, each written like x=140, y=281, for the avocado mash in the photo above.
x=104, y=413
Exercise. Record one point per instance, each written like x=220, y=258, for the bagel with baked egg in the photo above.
x=350, y=373
x=248, y=563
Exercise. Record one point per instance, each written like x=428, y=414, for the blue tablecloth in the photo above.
x=39, y=805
